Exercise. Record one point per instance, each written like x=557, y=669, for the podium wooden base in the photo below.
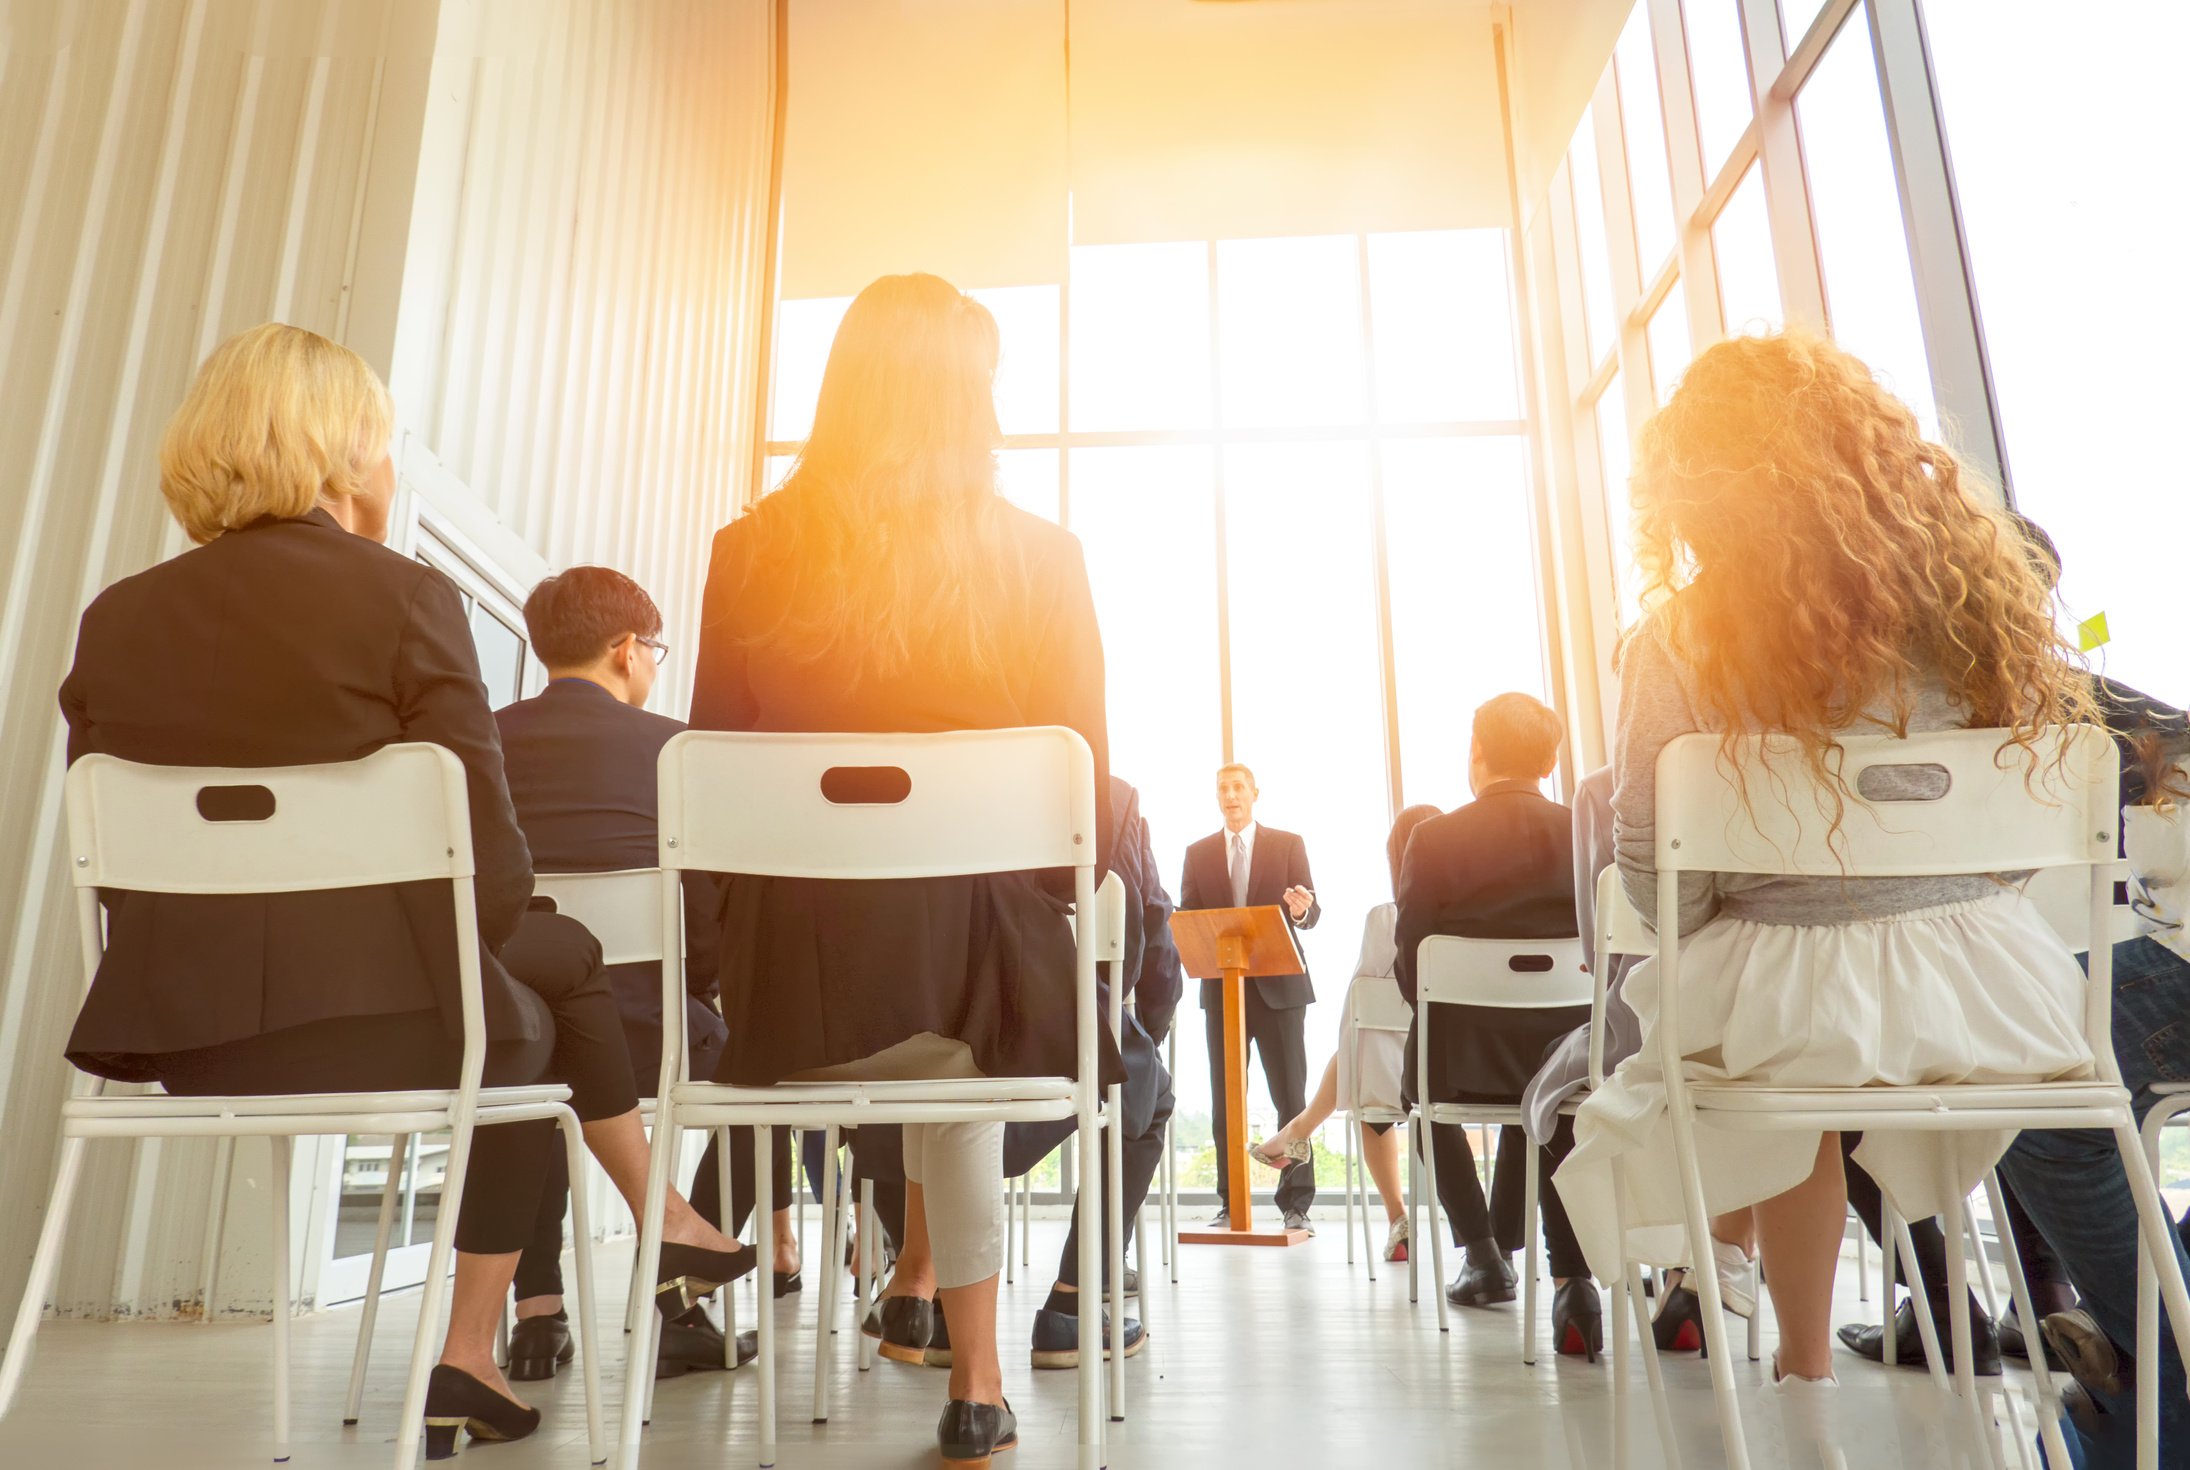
x=1245, y=1237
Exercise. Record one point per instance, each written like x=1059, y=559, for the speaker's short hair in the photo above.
x=576, y=616
x=1518, y=735
x=1239, y=766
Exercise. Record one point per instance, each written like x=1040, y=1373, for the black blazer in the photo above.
x=1279, y=862
x=289, y=642
x=581, y=767
x=1153, y=980
x=819, y=973
x=1501, y=867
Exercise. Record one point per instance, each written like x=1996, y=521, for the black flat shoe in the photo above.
x=1867, y=1341
x=689, y=1274
x=903, y=1325
x=785, y=1285
x=456, y=1400
x=1485, y=1281
x=692, y=1343
x=2014, y=1345
x=1057, y=1338
x=969, y=1434
x=1577, y=1320
x=538, y=1346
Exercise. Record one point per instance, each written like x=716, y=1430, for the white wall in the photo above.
x=540, y=221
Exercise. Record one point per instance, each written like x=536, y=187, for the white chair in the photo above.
x=400, y=815
x=1997, y=815
x=1170, y=1171
x=984, y=801
x=1369, y=1007
x=1506, y=974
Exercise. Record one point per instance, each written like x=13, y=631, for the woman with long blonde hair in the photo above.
x=1815, y=567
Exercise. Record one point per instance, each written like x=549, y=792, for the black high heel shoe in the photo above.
x=968, y=1434
x=1577, y=1320
x=785, y=1285
x=690, y=1273
x=1678, y=1327
x=456, y=1400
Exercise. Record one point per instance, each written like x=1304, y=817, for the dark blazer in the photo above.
x=818, y=973
x=1501, y=867
x=581, y=767
x=1279, y=862
x=1153, y=979
x=289, y=642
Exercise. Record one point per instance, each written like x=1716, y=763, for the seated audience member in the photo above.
x=580, y=757
x=1375, y=1081
x=1500, y=867
x=290, y=636
x=1794, y=528
x=889, y=586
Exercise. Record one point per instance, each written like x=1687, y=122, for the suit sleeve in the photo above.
x=722, y=693
x=440, y=698
x=1298, y=876
x=703, y=895
x=1416, y=915
x=1160, y=985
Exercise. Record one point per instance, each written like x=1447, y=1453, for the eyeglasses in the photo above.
x=661, y=649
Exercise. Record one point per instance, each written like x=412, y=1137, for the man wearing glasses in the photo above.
x=580, y=757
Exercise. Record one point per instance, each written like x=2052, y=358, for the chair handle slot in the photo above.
x=865, y=785
x=235, y=803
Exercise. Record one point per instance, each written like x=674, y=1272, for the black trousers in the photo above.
x=581, y=1045
x=1503, y=1219
x=1926, y=1236
x=1147, y=1110
x=1281, y=1038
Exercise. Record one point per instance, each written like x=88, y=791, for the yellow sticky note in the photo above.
x=2091, y=632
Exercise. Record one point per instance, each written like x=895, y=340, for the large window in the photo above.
x=1294, y=464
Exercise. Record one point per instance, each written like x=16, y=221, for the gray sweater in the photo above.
x=1657, y=704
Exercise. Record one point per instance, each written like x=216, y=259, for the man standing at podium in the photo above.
x=1247, y=865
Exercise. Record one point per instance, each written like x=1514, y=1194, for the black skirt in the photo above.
x=818, y=973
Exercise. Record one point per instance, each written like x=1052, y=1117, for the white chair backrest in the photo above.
x=1378, y=1006
x=622, y=909
x=1511, y=974
x=1110, y=920
x=1620, y=928
x=968, y=801
x=1997, y=815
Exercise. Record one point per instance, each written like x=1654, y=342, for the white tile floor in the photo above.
x=1259, y=1358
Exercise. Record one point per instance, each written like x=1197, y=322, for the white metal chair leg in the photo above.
x=216, y=1225
x=1141, y=1264
x=2156, y=1264
x=1927, y=1330
x=432, y=1296
x=1091, y=1427
x=869, y=1274
x=2049, y=1405
x=764, y=1191
x=43, y=1264
x=1529, y=1258
x=1888, y=1243
x=1631, y=1287
x=646, y=1335
x=1026, y=1220
x=398, y=1149
x=1437, y=1232
x=1416, y=1141
x=1958, y=1326
x=1114, y=1208
x=1723, y=1388
x=1989, y=1294
x=282, y=1149
x=1011, y=1226
x=1862, y=1262
x=589, y=1331
x=1756, y=1309
x=1350, y=1197
x=760, y=1272
x=832, y=1276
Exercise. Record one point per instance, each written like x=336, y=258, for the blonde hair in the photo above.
x=890, y=522
x=277, y=420
x=1807, y=554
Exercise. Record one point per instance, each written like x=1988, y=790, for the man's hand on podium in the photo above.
x=1298, y=901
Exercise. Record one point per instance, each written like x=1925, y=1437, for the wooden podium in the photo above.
x=1235, y=946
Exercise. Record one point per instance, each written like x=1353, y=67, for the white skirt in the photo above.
x=1979, y=992
x=1383, y=1053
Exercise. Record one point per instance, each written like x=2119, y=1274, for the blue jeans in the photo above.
x=2071, y=1183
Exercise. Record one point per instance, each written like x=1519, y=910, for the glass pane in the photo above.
x=1026, y=371
x=1442, y=308
x=1642, y=120
x=1670, y=347
x=1465, y=622
x=1589, y=233
x=774, y=468
x=1718, y=70
x=1307, y=695
x=366, y=1160
x=804, y=330
x=1289, y=330
x=1863, y=251
x=1028, y=479
x=1795, y=18
x=1741, y=241
x=501, y=657
x=1613, y=461
x=2075, y=243
x=1140, y=336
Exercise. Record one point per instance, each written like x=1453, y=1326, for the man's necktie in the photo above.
x=1239, y=871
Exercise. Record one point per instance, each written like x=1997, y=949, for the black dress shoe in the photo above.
x=1486, y=1280
x=456, y=1400
x=690, y=1273
x=1298, y=1220
x=692, y=1343
x=1057, y=1338
x=1577, y=1320
x=540, y=1345
x=903, y=1325
x=2014, y=1345
x=969, y=1433
x=1867, y=1341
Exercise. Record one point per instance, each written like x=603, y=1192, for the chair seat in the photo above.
x=1473, y=1113
x=1952, y=1106
x=2169, y=1089
x=970, y=1099
x=339, y=1110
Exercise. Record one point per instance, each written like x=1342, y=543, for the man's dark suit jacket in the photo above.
x=581, y=773
x=288, y=642
x=1279, y=862
x=1501, y=867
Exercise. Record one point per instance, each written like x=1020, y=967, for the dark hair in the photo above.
x=1403, y=825
x=1517, y=735
x=2044, y=555
x=576, y=616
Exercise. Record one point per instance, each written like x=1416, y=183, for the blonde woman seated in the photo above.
x=1815, y=567
x=1382, y=1056
x=291, y=636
